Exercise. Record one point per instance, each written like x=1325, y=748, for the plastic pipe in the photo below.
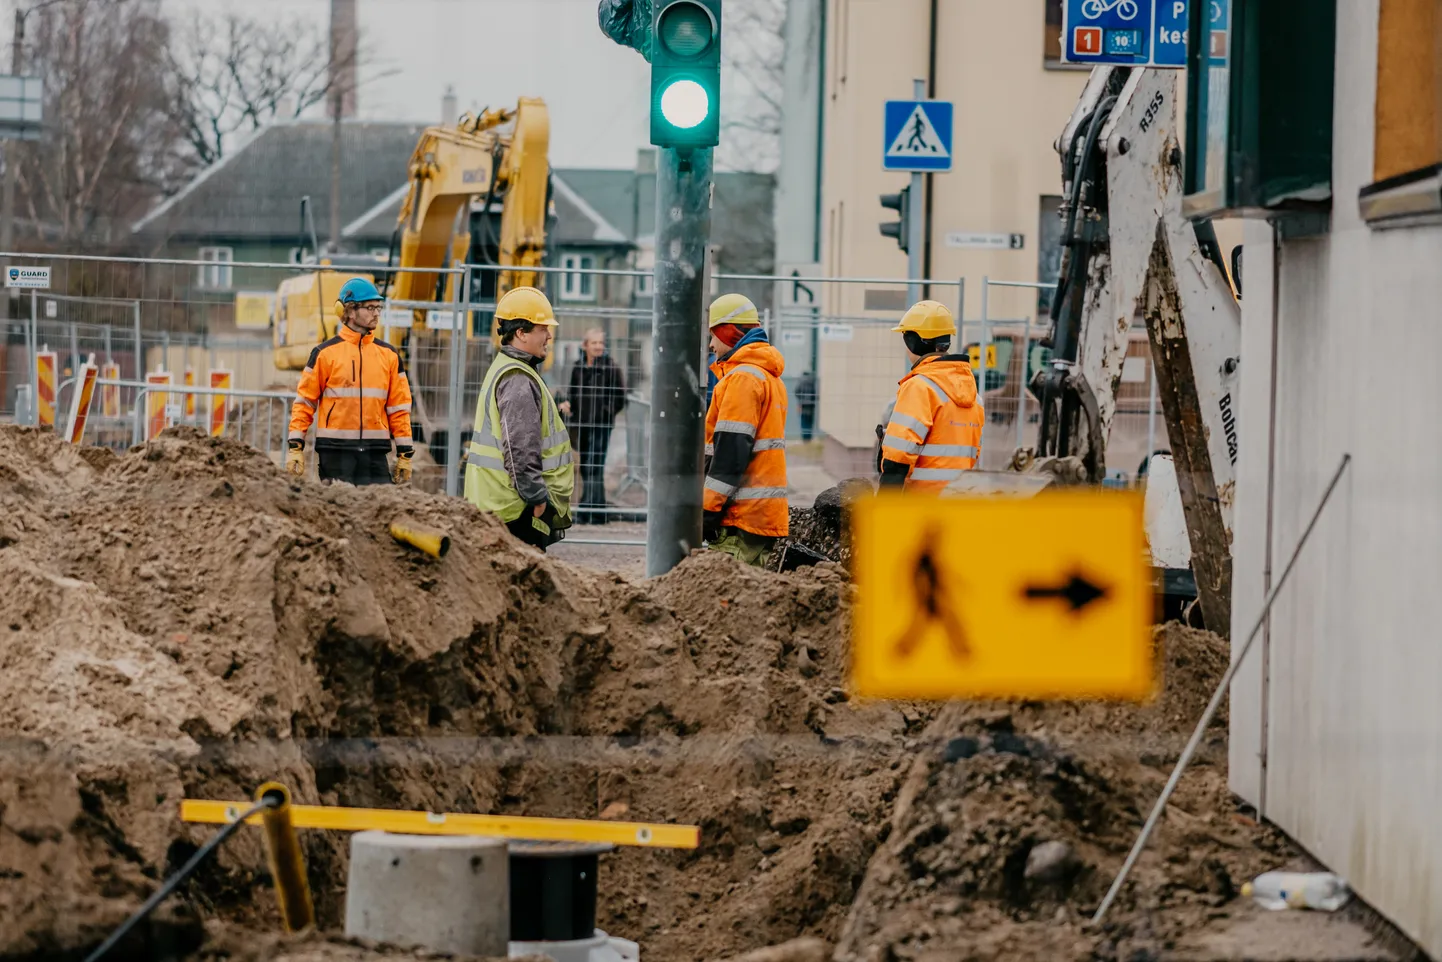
x=287, y=864
x=433, y=543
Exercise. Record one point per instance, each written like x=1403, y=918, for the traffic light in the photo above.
x=686, y=73
x=900, y=229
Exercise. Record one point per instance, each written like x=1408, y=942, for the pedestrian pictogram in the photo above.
x=917, y=135
x=1041, y=597
x=933, y=605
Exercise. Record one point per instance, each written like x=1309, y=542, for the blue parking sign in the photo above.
x=1171, y=31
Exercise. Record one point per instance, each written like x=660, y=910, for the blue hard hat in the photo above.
x=358, y=290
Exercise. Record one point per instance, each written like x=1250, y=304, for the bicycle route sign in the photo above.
x=1137, y=33
x=917, y=135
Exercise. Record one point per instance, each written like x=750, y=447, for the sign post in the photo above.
x=917, y=137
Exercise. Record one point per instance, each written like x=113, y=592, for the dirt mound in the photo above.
x=186, y=621
x=1015, y=819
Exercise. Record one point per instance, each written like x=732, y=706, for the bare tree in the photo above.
x=105, y=147
x=235, y=74
x=753, y=51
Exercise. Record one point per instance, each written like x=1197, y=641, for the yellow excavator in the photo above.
x=457, y=175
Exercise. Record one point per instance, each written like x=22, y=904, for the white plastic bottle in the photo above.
x=1298, y=890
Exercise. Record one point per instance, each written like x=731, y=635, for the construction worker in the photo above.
x=745, y=493
x=356, y=390
x=519, y=466
x=933, y=432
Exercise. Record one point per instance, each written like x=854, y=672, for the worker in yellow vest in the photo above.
x=519, y=462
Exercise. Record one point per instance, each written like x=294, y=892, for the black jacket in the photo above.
x=597, y=393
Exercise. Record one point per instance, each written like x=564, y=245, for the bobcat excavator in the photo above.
x=1129, y=251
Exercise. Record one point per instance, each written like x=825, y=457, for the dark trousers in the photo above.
x=355, y=467
x=808, y=419
x=591, y=445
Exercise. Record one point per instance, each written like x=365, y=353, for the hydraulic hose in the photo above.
x=172, y=883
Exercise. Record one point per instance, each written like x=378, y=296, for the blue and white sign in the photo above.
x=1137, y=33
x=917, y=135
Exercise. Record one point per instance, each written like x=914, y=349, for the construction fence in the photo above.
x=232, y=342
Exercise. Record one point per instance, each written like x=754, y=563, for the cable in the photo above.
x=172, y=883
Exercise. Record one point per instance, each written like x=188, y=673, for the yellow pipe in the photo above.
x=435, y=823
x=287, y=864
x=432, y=543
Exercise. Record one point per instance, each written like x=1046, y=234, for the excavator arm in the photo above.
x=450, y=167
x=1131, y=251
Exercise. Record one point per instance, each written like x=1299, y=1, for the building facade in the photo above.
x=999, y=63
x=1336, y=726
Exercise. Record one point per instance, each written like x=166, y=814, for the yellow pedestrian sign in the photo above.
x=1043, y=597
x=975, y=353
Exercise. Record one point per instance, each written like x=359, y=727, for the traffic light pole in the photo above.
x=915, y=219
x=678, y=376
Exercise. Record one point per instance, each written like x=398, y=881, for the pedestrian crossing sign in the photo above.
x=918, y=135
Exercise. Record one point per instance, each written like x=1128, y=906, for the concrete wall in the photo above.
x=1010, y=108
x=1351, y=712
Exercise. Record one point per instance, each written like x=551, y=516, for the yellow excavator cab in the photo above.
x=305, y=314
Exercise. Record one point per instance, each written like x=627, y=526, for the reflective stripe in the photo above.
x=907, y=421
x=755, y=372
x=725, y=490
x=710, y=449
x=948, y=451
x=936, y=474
x=770, y=444
x=397, y=408
x=737, y=427
x=307, y=370
x=484, y=436
x=555, y=461
x=296, y=436
x=349, y=434
x=941, y=395
x=485, y=461
x=551, y=440
x=306, y=401
x=375, y=392
x=901, y=444
x=759, y=494
x=746, y=306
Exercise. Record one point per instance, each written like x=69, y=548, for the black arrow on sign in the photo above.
x=1078, y=592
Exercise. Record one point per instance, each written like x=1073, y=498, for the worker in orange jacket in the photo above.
x=745, y=491
x=934, y=431
x=355, y=389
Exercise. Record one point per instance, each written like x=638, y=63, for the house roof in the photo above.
x=255, y=190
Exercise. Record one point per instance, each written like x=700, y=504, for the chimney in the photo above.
x=343, y=54
x=448, y=106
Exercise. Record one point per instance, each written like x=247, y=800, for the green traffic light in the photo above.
x=685, y=104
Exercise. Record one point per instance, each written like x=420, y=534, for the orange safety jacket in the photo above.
x=356, y=391
x=746, y=442
x=935, y=428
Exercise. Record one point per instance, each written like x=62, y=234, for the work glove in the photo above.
x=402, y=474
x=295, y=458
x=711, y=526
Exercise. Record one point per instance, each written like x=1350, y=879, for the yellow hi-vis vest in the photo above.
x=488, y=486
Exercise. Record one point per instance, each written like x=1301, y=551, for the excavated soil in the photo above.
x=185, y=621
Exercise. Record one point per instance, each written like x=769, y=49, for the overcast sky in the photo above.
x=493, y=51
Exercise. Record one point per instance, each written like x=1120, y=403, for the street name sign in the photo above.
x=991, y=242
x=1001, y=597
x=1136, y=33
x=917, y=135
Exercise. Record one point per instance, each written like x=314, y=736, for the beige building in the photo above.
x=998, y=62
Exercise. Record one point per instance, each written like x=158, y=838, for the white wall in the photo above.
x=1354, y=716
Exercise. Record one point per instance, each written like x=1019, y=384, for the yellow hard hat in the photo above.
x=526, y=304
x=928, y=319
x=734, y=309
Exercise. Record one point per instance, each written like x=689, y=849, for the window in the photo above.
x=1051, y=43
x=1048, y=249
x=578, y=287
x=216, y=274
x=1407, y=152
